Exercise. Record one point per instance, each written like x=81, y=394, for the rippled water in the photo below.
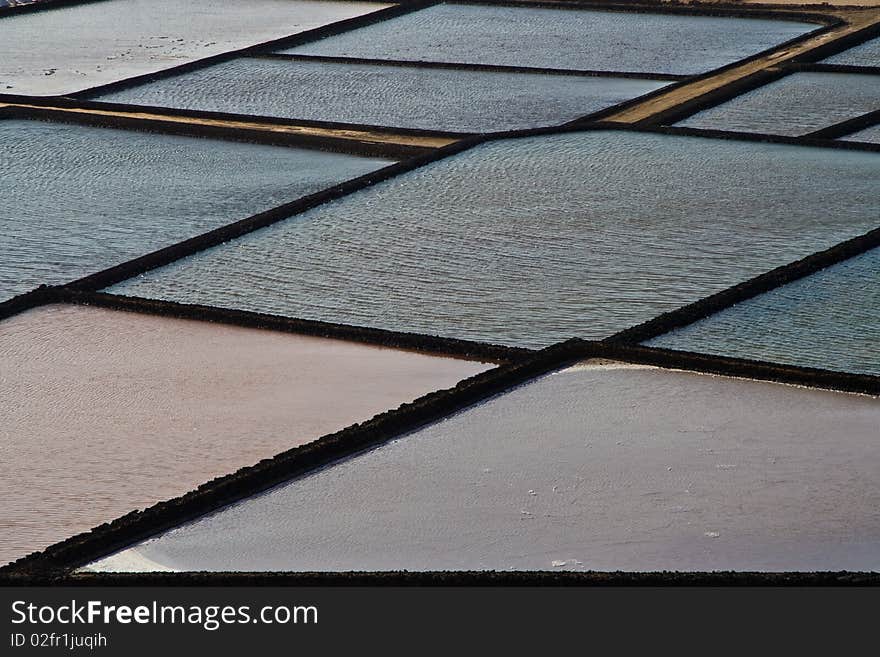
x=867, y=54
x=387, y=95
x=77, y=200
x=795, y=105
x=829, y=320
x=105, y=412
x=592, y=40
x=620, y=469
x=79, y=46
x=532, y=241
x=868, y=135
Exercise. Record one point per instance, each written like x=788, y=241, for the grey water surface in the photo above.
x=79, y=199
x=431, y=99
x=534, y=240
x=562, y=38
x=829, y=320
x=866, y=54
x=74, y=47
x=795, y=105
x=591, y=468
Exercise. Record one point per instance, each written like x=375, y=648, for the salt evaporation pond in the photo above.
x=106, y=412
x=795, y=105
x=431, y=99
x=80, y=199
x=866, y=54
x=827, y=320
x=867, y=136
x=95, y=43
x=603, y=467
x=531, y=241
x=562, y=38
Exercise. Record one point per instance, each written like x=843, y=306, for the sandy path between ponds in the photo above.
x=857, y=20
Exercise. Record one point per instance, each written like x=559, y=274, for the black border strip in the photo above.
x=136, y=526
x=291, y=41
x=461, y=66
x=766, y=282
x=802, y=13
x=43, y=5
x=41, y=296
x=679, y=131
x=428, y=344
x=848, y=127
x=810, y=67
x=452, y=578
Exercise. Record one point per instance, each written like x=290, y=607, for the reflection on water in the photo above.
x=532, y=241
x=431, y=99
x=795, y=105
x=77, y=200
x=592, y=40
x=829, y=320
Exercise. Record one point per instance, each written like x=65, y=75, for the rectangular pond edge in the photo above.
x=847, y=127
x=758, y=79
x=427, y=344
x=462, y=66
x=290, y=41
x=174, y=252
x=61, y=558
x=811, y=67
x=415, y=342
x=740, y=292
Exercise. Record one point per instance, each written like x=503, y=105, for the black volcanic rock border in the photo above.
x=463, y=66
x=428, y=344
x=451, y=578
